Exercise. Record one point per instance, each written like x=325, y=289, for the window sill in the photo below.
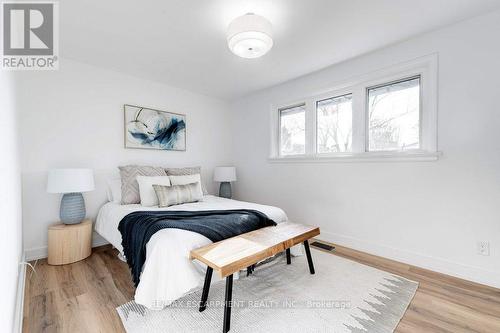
x=360, y=157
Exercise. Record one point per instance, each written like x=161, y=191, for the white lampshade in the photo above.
x=70, y=180
x=250, y=36
x=225, y=174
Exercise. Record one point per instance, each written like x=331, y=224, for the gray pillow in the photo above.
x=178, y=194
x=130, y=187
x=185, y=172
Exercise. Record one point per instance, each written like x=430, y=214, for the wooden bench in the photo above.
x=234, y=254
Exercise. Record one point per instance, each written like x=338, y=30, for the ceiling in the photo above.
x=183, y=42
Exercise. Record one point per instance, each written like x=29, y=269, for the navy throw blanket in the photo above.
x=138, y=227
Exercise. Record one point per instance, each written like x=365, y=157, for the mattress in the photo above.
x=168, y=274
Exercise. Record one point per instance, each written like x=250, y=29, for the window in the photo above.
x=293, y=130
x=334, y=124
x=394, y=116
x=384, y=115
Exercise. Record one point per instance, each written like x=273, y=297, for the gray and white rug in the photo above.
x=343, y=296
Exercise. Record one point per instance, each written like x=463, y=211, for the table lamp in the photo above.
x=71, y=182
x=225, y=175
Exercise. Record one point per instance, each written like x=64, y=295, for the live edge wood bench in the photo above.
x=244, y=251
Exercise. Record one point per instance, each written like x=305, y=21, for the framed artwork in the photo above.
x=154, y=129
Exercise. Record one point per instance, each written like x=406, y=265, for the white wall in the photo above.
x=10, y=202
x=425, y=213
x=74, y=118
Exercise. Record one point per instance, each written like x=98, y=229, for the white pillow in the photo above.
x=114, y=190
x=187, y=179
x=146, y=190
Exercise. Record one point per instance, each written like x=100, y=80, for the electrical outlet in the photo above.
x=483, y=248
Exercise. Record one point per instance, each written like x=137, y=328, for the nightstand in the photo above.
x=69, y=243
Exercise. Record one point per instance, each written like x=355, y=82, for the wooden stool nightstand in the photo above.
x=69, y=243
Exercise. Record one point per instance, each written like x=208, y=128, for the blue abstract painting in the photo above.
x=153, y=129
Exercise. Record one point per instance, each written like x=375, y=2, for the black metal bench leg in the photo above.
x=227, y=306
x=206, y=288
x=288, y=257
x=250, y=269
x=309, y=258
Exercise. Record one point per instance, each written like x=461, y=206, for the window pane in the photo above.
x=394, y=116
x=293, y=130
x=334, y=124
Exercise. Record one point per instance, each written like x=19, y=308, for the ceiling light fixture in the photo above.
x=250, y=36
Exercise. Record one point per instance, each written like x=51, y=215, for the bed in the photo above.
x=168, y=274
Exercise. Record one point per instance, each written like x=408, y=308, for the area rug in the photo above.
x=343, y=296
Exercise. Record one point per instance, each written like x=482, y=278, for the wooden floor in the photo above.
x=82, y=297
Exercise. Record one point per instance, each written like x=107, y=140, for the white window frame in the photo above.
x=321, y=98
x=425, y=67
x=279, y=125
x=367, y=110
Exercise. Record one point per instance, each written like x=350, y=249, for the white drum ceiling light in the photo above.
x=250, y=36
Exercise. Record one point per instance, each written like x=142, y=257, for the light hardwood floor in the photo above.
x=82, y=297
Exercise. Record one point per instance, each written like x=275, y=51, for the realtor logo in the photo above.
x=30, y=36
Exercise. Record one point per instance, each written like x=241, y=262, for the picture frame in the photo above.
x=147, y=128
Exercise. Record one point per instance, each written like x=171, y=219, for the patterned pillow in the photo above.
x=130, y=187
x=177, y=194
x=186, y=172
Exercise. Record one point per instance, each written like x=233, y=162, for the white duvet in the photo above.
x=168, y=274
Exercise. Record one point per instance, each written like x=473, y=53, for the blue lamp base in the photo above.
x=225, y=190
x=72, y=208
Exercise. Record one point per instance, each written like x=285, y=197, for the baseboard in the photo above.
x=440, y=265
x=41, y=252
x=19, y=311
x=98, y=241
